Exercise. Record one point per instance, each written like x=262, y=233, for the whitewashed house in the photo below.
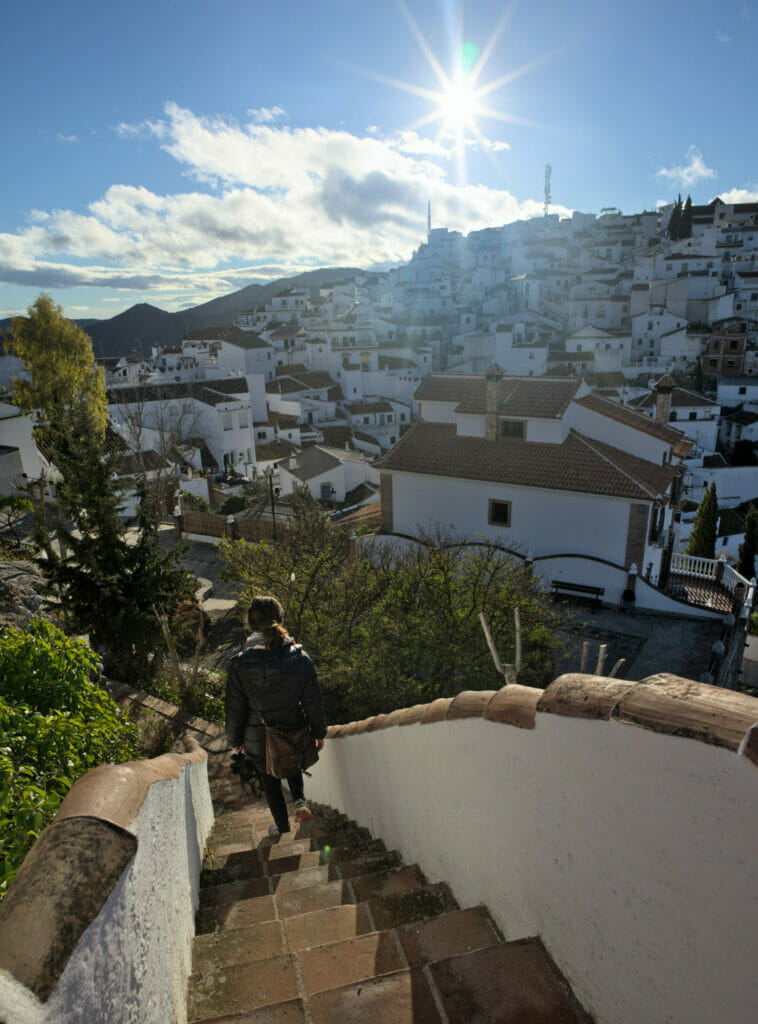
x=545, y=468
x=690, y=411
x=330, y=474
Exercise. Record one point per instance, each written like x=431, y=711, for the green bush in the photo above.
x=194, y=502
x=203, y=698
x=234, y=503
x=55, y=724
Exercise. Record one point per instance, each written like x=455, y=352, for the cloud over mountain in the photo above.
x=266, y=195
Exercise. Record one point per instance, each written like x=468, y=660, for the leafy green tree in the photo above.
x=56, y=724
x=749, y=547
x=685, y=222
x=388, y=629
x=62, y=375
x=702, y=541
x=234, y=503
x=111, y=584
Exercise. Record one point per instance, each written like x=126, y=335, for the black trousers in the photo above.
x=255, y=745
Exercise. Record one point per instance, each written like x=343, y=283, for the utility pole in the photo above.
x=270, y=475
x=548, y=196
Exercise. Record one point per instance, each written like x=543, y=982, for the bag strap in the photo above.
x=250, y=696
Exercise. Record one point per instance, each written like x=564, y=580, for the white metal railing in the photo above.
x=708, y=569
x=693, y=565
x=731, y=578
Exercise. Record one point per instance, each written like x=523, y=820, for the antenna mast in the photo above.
x=548, y=197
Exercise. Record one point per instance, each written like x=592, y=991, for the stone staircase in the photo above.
x=326, y=926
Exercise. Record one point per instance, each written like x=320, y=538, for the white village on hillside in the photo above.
x=568, y=388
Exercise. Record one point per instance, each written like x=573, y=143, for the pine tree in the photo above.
x=675, y=221
x=702, y=542
x=698, y=376
x=685, y=221
x=109, y=587
x=749, y=547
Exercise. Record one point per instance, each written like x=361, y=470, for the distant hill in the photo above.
x=140, y=327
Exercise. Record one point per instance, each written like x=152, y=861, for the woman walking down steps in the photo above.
x=273, y=679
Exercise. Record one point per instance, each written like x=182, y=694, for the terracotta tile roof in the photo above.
x=361, y=408
x=630, y=418
x=679, y=397
x=217, y=333
x=537, y=397
x=579, y=464
x=274, y=450
x=210, y=392
x=291, y=383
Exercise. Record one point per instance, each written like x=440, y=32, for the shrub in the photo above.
x=55, y=724
x=204, y=697
x=234, y=503
x=194, y=502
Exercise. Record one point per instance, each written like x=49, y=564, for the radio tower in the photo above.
x=548, y=197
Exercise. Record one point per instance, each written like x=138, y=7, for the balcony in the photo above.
x=708, y=583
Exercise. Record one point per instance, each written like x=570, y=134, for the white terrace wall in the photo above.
x=631, y=853
x=98, y=924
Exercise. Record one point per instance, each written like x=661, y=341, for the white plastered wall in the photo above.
x=132, y=963
x=630, y=853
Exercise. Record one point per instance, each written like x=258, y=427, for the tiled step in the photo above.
x=223, y=990
x=400, y=998
x=322, y=926
x=291, y=1012
x=342, y=963
x=512, y=981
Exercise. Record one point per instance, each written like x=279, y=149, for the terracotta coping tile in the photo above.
x=115, y=792
x=436, y=711
x=391, y=719
x=514, y=705
x=411, y=716
x=334, y=732
x=681, y=707
x=59, y=890
x=372, y=724
x=469, y=704
x=354, y=727
x=750, y=745
x=584, y=696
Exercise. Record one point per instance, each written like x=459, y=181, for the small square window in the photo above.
x=499, y=513
x=693, y=415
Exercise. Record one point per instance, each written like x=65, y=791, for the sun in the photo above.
x=458, y=105
x=461, y=99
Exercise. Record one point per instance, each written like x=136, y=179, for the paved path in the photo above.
x=649, y=643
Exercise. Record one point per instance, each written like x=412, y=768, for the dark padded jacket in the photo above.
x=281, y=682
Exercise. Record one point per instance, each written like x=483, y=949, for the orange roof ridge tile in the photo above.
x=663, y=703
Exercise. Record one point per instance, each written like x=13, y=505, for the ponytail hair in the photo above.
x=265, y=616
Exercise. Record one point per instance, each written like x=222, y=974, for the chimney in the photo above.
x=493, y=383
x=663, y=390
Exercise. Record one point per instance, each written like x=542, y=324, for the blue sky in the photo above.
x=170, y=152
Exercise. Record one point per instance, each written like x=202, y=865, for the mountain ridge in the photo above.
x=135, y=330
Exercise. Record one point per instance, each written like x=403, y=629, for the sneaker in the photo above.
x=302, y=812
x=274, y=831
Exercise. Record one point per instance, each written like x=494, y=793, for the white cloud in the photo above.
x=284, y=199
x=494, y=146
x=688, y=174
x=60, y=137
x=265, y=115
x=746, y=13
x=739, y=195
x=723, y=37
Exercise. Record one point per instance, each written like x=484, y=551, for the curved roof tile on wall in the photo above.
x=662, y=703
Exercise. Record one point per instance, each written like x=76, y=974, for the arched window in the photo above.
x=672, y=415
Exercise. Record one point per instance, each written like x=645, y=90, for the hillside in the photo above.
x=140, y=327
